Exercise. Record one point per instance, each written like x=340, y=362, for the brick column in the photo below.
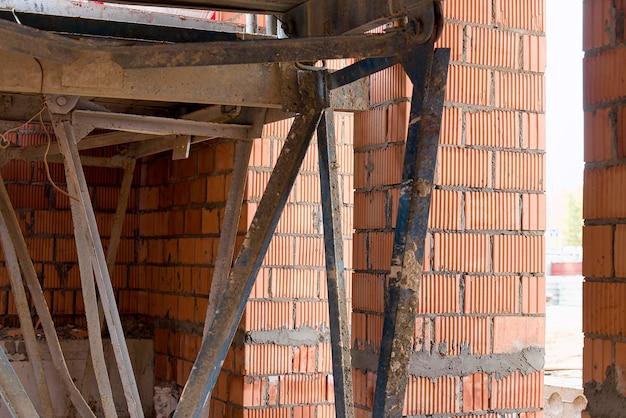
x=479, y=333
x=604, y=233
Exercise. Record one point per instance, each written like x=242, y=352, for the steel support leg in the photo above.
x=26, y=321
x=9, y=221
x=76, y=176
x=428, y=71
x=97, y=364
x=228, y=229
x=333, y=244
x=241, y=279
x=115, y=238
x=13, y=392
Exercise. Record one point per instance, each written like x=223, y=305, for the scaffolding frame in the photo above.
x=283, y=81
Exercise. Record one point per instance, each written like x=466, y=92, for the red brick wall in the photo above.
x=181, y=205
x=284, y=375
x=482, y=295
x=47, y=226
x=604, y=209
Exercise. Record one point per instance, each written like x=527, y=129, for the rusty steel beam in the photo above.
x=335, y=272
x=259, y=51
x=241, y=279
x=428, y=72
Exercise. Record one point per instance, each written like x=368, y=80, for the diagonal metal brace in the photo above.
x=429, y=74
x=237, y=289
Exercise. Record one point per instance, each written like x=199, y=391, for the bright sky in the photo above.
x=564, y=115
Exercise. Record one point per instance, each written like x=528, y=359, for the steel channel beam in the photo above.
x=26, y=320
x=258, y=51
x=243, y=274
x=12, y=391
x=428, y=71
x=9, y=219
x=335, y=272
x=74, y=173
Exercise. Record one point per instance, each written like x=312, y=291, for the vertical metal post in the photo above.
x=335, y=272
x=228, y=233
x=75, y=175
x=241, y=279
x=13, y=392
x=97, y=365
x=26, y=321
x=428, y=71
x=114, y=241
x=9, y=221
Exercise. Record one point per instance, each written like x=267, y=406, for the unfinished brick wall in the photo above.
x=47, y=226
x=482, y=296
x=287, y=366
x=181, y=206
x=604, y=209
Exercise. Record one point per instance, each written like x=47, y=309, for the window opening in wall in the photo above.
x=564, y=147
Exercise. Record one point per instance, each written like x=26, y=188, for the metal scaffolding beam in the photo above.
x=280, y=79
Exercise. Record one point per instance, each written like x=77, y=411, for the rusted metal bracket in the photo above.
x=428, y=72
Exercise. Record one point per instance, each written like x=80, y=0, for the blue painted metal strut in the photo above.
x=335, y=276
x=237, y=289
x=428, y=72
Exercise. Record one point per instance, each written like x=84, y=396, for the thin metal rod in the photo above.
x=75, y=174
x=429, y=74
x=12, y=391
x=26, y=321
x=335, y=272
x=241, y=279
x=114, y=241
x=30, y=275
